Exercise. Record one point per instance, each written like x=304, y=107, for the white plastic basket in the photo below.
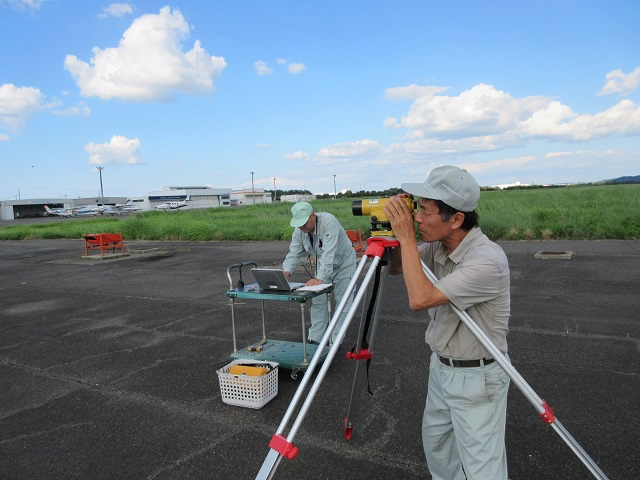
x=248, y=391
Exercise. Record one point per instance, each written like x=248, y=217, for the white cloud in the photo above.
x=503, y=163
x=484, y=118
x=25, y=4
x=119, y=149
x=148, y=63
x=281, y=61
x=17, y=104
x=299, y=155
x=296, y=68
x=391, y=122
x=262, y=68
x=350, y=149
x=618, y=82
x=262, y=145
x=411, y=92
x=4, y=137
x=81, y=109
x=559, y=122
x=116, y=10
x=482, y=110
x=565, y=154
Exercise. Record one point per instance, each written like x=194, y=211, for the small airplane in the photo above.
x=88, y=210
x=174, y=205
x=119, y=209
x=60, y=212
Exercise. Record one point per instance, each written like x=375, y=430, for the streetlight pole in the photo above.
x=275, y=192
x=335, y=192
x=101, y=191
x=253, y=190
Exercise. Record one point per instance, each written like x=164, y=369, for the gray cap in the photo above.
x=301, y=212
x=451, y=185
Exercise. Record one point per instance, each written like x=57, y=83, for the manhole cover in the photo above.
x=560, y=255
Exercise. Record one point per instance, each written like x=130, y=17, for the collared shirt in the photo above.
x=330, y=247
x=475, y=278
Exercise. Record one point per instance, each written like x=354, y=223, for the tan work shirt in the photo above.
x=475, y=278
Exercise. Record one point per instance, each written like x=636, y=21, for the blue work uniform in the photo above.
x=335, y=261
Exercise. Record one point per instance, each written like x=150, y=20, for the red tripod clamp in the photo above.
x=377, y=245
x=364, y=354
x=547, y=416
x=283, y=447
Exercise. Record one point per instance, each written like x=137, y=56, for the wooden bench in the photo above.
x=103, y=242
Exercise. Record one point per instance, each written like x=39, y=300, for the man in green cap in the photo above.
x=320, y=236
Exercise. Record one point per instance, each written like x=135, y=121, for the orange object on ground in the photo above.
x=356, y=240
x=248, y=370
x=103, y=242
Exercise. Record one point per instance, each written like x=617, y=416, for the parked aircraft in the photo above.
x=60, y=212
x=88, y=210
x=119, y=209
x=174, y=205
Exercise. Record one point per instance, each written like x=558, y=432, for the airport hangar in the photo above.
x=199, y=197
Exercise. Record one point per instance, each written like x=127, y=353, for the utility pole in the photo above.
x=102, y=191
x=275, y=192
x=253, y=190
x=335, y=192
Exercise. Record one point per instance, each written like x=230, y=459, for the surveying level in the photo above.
x=379, y=251
x=374, y=207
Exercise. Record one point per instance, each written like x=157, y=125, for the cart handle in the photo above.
x=239, y=267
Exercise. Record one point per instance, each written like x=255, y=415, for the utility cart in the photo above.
x=295, y=356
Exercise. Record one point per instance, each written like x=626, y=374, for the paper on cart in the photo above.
x=314, y=288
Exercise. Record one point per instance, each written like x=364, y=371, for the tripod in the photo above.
x=379, y=247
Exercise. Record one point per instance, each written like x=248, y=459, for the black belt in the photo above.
x=464, y=363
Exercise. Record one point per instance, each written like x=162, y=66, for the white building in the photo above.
x=251, y=196
x=515, y=184
x=198, y=197
x=29, y=208
x=298, y=197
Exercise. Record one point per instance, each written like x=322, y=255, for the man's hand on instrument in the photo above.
x=312, y=282
x=401, y=217
x=287, y=274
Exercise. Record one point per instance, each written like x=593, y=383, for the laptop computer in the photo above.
x=273, y=279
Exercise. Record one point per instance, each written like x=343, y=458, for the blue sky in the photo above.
x=374, y=92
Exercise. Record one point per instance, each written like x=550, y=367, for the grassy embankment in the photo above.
x=586, y=212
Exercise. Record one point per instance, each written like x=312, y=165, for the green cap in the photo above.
x=301, y=212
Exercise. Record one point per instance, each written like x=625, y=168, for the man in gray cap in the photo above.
x=320, y=237
x=464, y=419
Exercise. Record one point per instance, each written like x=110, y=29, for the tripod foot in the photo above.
x=348, y=430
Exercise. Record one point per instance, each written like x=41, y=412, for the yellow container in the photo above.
x=248, y=370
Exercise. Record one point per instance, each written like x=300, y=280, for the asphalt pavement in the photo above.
x=108, y=367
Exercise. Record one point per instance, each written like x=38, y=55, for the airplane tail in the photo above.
x=47, y=209
x=188, y=198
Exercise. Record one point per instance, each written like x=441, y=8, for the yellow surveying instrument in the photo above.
x=374, y=208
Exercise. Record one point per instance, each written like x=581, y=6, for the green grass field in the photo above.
x=582, y=212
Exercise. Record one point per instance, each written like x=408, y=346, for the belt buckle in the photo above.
x=447, y=361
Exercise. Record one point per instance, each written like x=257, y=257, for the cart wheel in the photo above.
x=294, y=374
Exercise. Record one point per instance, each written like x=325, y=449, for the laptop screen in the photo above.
x=273, y=279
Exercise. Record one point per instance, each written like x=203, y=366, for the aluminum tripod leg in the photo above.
x=281, y=446
x=540, y=405
x=363, y=356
